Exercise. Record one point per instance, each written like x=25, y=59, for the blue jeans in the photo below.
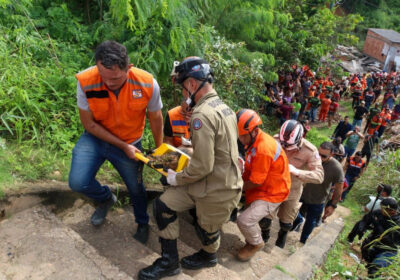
x=88, y=155
x=357, y=123
x=350, y=180
x=383, y=259
x=313, y=113
x=295, y=115
x=312, y=213
x=348, y=152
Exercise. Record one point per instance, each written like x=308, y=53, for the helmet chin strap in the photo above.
x=252, y=140
x=191, y=100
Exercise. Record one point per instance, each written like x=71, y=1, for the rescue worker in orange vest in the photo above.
x=325, y=102
x=266, y=179
x=386, y=116
x=113, y=98
x=354, y=167
x=305, y=167
x=374, y=124
x=176, y=125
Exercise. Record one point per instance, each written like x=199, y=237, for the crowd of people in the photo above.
x=281, y=175
x=302, y=95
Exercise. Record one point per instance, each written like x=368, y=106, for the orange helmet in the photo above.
x=247, y=120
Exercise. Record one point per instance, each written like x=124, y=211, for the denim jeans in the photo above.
x=88, y=155
x=357, y=123
x=348, y=152
x=312, y=213
x=313, y=113
x=350, y=180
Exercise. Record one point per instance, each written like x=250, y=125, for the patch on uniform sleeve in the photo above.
x=197, y=124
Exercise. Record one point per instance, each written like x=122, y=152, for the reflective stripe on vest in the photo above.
x=356, y=164
x=178, y=125
x=278, y=150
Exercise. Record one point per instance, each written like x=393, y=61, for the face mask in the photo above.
x=188, y=101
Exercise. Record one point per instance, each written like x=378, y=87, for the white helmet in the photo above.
x=291, y=134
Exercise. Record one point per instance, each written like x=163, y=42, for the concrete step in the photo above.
x=36, y=245
x=232, y=240
x=113, y=239
x=217, y=272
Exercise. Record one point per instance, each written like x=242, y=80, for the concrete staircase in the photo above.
x=57, y=241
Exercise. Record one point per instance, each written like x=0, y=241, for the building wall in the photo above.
x=373, y=46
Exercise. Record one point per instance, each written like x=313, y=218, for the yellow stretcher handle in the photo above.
x=145, y=160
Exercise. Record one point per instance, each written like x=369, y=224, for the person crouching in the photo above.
x=266, y=180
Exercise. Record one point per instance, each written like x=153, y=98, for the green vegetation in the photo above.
x=376, y=14
x=381, y=170
x=338, y=260
x=46, y=42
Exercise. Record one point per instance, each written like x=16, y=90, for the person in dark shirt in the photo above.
x=342, y=128
x=359, y=112
x=379, y=248
x=369, y=142
x=369, y=97
x=315, y=102
x=286, y=110
x=372, y=112
x=354, y=167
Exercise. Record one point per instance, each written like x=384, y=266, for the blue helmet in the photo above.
x=192, y=67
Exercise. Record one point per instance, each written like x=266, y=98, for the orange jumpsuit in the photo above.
x=325, y=102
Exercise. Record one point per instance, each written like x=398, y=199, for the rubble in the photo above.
x=353, y=61
x=394, y=141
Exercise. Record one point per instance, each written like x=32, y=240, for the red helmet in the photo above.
x=247, y=120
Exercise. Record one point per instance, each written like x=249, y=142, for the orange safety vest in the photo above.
x=355, y=167
x=123, y=117
x=374, y=125
x=355, y=164
x=385, y=117
x=179, y=125
x=267, y=165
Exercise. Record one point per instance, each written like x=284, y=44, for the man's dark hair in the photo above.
x=358, y=154
x=327, y=146
x=111, y=53
x=346, y=117
x=387, y=189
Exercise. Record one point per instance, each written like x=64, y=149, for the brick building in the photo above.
x=384, y=46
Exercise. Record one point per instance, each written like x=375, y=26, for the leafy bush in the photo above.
x=384, y=169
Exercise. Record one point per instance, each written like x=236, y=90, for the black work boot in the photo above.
x=142, y=233
x=265, y=225
x=192, y=213
x=234, y=214
x=199, y=260
x=281, y=240
x=100, y=213
x=167, y=265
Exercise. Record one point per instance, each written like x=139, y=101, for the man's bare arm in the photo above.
x=156, y=125
x=100, y=132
